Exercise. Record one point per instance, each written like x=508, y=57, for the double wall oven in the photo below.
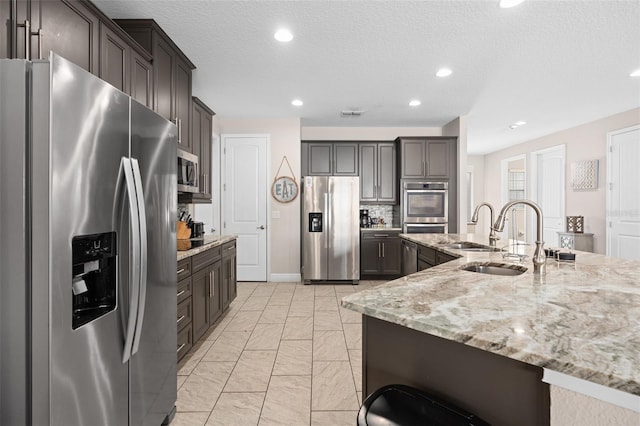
x=424, y=207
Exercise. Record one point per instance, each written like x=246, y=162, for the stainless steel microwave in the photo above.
x=188, y=172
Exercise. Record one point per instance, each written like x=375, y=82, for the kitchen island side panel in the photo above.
x=495, y=388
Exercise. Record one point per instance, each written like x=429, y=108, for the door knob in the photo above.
x=260, y=227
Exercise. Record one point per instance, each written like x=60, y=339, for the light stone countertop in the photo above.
x=579, y=319
x=210, y=241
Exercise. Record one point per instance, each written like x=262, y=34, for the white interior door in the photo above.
x=623, y=212
x=549, y=192
x=245, y=188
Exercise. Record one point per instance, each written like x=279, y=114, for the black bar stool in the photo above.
x=400, y=405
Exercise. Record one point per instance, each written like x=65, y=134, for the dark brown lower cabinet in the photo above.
x=380, y=254
x=229, y=284
x=206, y=288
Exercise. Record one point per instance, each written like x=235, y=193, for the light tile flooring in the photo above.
x=283, y=354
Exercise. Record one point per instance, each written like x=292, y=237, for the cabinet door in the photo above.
x=196, y=122
x=200, y=303
x=437, y=158
x=387, y=173
x=345, y=159
x=368, y=172
x=6, y=32
x=391, y=256
x=205, y=154
x=70, y=30
x=183, y=104
x=163, y=71
x=215, y=297
x=320, y=157
x=370, y=251
x=413, y=153
x=141, y=84
x=114, y=59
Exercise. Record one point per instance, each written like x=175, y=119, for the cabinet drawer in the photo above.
x=369, y=235
x=184, y=289
x=184, y=313
x=229, y=249
x=184, y=268
x=205, y=258
x=427, y=254
x=185, y=342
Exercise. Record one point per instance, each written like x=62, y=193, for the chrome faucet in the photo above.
x=539, y=258
x=474, y=219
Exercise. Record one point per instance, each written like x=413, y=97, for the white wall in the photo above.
x=477, y=162
x=584, y=142
x=458, y=127
x=284, y=233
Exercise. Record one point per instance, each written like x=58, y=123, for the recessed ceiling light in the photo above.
x=520, y=123
x=297, y=102
x=283, y=35
x=636, y=73
x=509, y=3
x=443, y=72
x=414, y=103
x=513, y=127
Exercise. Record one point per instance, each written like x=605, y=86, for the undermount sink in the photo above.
x=467, y=246
x=505, y=269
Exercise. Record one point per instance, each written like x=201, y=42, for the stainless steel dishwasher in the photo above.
x=409, y=257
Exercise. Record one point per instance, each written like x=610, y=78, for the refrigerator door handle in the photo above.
x=134, y=267
x=142, y=216
x=326, y=220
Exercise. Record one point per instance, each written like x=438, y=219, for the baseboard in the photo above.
x=285, y=278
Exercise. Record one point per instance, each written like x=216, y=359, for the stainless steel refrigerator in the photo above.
x=88, y=251
x=331, y=229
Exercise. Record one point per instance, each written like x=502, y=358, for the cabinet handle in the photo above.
x=177, y=121
x=381, y=235
x=379, y=250
x=27, y=40
x=180, y=319
x=180, y=293
x=424, y=168
x=180, y=271
x=211, y=283
x=180, y=347
x=382, y=249
x=204, y=175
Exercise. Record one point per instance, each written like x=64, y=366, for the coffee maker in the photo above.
x=365, y=220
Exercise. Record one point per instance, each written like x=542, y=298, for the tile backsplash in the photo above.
x=390, y=214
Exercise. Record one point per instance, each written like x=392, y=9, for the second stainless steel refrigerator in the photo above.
x=331, y=229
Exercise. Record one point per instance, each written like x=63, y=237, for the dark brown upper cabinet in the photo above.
x=171, y=72
x=201, y=137
x=330, y=159
x=431, y=157
x=81, y=33
x=378, y=175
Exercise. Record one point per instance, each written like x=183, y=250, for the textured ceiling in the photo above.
x=554, y=64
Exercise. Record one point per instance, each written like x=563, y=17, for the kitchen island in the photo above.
x=578, y=321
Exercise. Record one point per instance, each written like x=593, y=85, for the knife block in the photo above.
x=183, y=232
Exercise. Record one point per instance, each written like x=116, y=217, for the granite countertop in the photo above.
x=580, y=319
x=208, y=242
